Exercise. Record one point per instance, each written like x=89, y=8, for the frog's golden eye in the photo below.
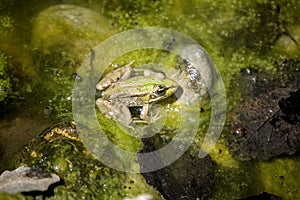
x=161, y=90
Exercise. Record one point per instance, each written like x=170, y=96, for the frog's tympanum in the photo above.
x=122, y=89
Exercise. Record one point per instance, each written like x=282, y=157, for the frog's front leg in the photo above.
x=115, y=110
x=147, y=116
x=145, y=113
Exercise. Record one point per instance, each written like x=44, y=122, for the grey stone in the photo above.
x=26, y=179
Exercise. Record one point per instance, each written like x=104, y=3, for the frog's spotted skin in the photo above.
x=121, y=90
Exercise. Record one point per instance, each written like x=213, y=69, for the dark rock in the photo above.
x=189, y=177
x=266, y=131
x=263, y=196
x=291, y=107
x=268, y=120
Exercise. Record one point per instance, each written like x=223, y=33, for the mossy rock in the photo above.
x=288, y=44
x=62, y=36
x=69, y=31
x=59, y=150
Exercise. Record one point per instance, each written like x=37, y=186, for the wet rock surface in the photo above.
x=189, y=177
x=268, y=122
x=26, y=179
x=196, y=77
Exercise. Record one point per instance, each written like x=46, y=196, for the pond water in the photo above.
x=44, y=43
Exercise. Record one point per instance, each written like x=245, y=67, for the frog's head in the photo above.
x=163, y=90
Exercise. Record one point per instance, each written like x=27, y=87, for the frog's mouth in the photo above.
x=171, y=90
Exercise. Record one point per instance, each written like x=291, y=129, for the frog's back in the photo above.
x=135, y=86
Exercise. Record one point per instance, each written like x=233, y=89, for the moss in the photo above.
x=288, y=44
x=55, y=85
x=70, y=31
x=237, y=34
x=6, y=25
x=232, y=182
x=275, y=177
x=60, y=151
x=62, y=36
x=18, y=196
x=118, y=136
x=222, y=27
x=5, y=86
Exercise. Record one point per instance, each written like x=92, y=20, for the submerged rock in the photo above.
x=268, y=121
x=70, y=31
x=62, y=36
x=266, y=131
x=288, y=43
x=195, y=74
x=189, y=177
x=26, y=179
x=263, y=196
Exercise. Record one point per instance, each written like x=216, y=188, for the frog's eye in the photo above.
x=161, y=90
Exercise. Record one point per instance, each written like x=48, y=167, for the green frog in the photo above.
x=122, y=89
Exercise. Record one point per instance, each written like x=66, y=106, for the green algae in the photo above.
x=5, y=86
x=60, y=151
x=18, y=196
x=232, y=33
x=275, y=177
x=6, y=25
x=118, y=136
